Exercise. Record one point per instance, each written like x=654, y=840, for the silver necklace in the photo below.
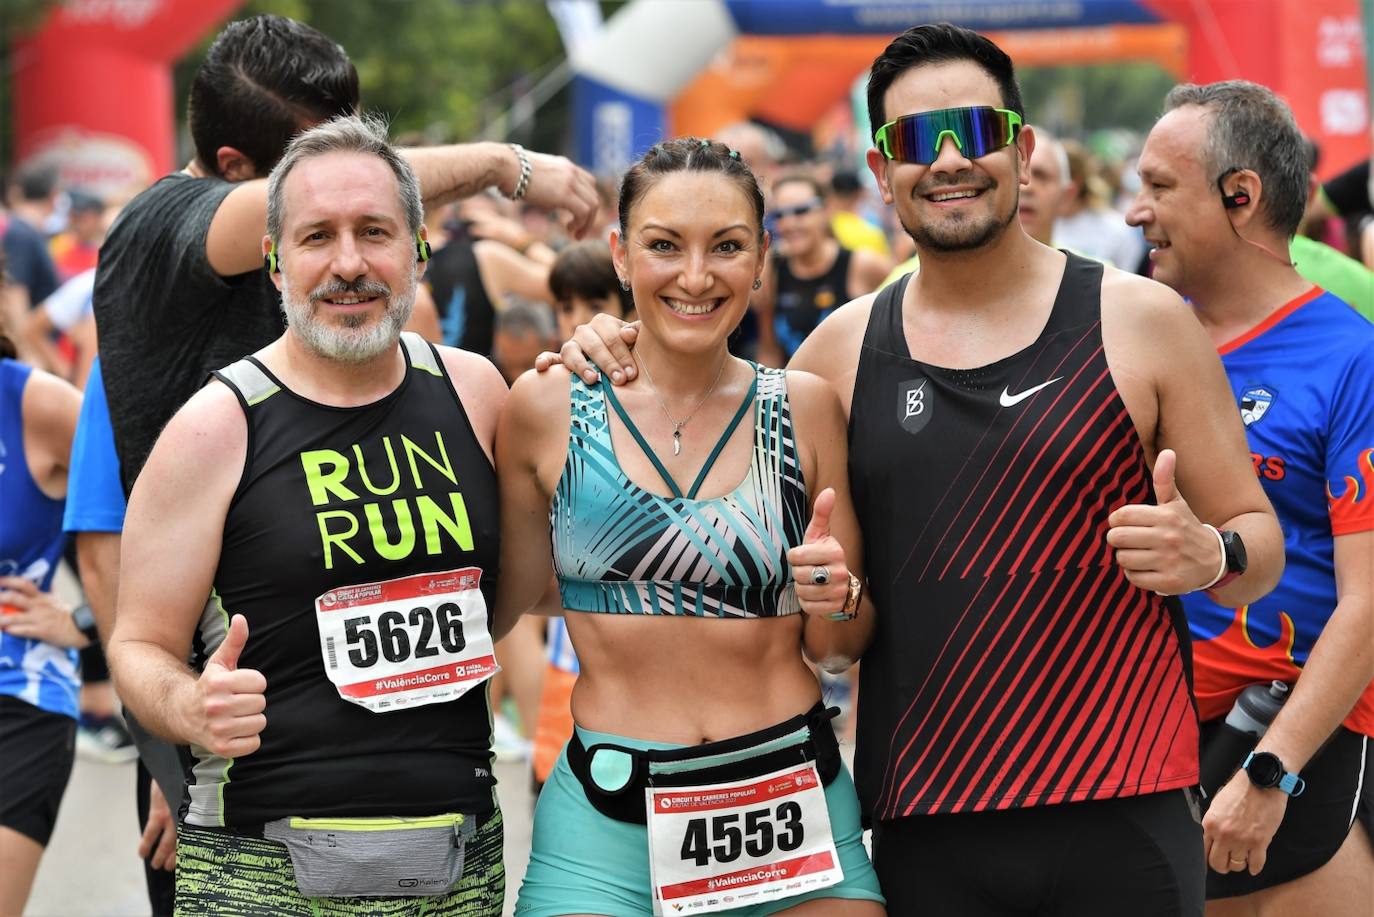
x=679, y=424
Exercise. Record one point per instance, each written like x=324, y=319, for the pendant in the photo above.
x=677, y=442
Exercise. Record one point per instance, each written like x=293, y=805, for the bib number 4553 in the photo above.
x=390, y=638
x=756, y=836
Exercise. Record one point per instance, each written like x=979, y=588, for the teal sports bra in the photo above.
x=619, y=549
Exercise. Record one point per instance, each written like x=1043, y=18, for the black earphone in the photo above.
x=273, y=264
x=1232, y=201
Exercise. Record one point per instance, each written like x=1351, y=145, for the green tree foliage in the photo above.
x=1082, y=99
x=17, y=17
x=441, y=68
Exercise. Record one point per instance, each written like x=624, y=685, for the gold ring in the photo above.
x=1238, y=862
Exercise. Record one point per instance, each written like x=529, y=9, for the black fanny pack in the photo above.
x=615, y=777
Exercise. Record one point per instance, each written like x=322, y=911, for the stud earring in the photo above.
x=758, y=283
x=624, y=284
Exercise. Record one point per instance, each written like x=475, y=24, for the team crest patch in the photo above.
x=914, y=405
x=1255, y=402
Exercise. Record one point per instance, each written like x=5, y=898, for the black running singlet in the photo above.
x=802, y=304
x=467, y=317
x=1013, y=663
x=333, y=498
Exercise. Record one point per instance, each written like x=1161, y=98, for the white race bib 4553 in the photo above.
x=717, y=847
x=406, y=642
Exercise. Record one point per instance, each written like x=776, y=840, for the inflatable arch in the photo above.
x=93, y=86
x=666, y=68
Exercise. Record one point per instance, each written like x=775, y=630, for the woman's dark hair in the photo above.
x=264, y=80
x=937, y=44
x=687, y=154
x=585, y=270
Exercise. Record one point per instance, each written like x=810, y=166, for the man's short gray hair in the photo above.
x=1249, y=127
x=345, y=134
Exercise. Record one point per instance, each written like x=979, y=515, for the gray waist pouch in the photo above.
x=372, y=857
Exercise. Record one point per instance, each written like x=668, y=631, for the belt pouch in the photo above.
x=374, y=857
x=807, y=737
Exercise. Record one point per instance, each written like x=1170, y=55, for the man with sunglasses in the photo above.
x=1037, y=479
x=1026, y=732
x=811, y=273
x=1224, y=182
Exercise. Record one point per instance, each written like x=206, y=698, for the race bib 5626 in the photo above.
x=406, y=642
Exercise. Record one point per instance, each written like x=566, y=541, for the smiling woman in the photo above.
x=697, y=579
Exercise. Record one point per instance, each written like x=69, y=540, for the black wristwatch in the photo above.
x=84, y=619
x=1266, y=771
x=1237, y=561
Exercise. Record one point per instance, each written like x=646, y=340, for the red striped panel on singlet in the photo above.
x=1014, y=664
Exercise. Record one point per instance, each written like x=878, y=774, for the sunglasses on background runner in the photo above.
x=976, y=131
x=795, y=210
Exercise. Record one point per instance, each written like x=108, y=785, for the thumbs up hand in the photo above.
x=1164, y=547
x=820, y=551
x=231, y=700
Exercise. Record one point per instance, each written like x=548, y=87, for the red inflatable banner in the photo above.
x=93, y=88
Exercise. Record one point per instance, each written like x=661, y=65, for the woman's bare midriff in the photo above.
x=685, y=681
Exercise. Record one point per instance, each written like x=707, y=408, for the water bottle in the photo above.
x=1245, y=725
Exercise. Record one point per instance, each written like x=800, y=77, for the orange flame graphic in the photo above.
x=1353, y=511
x=1225, y=664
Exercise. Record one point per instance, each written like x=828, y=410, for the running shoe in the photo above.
x=105, y=739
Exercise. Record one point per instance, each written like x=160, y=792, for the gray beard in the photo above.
x=356, y=341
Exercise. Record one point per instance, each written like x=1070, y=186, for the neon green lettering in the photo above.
x=406, y=543
x=390, y=457
x=322, y=483
x=431, y=517
x=445, y=468
x=329, y=539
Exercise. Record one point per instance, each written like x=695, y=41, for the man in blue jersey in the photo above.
x=1223, y=187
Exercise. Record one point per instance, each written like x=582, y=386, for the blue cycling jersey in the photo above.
x=1304, y=381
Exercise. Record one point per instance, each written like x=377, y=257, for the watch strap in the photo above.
x=84, y=619
x=1290, y=783
x=1222, y=574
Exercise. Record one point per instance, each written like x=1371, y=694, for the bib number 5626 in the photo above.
x=724, y=838
x=390, y=637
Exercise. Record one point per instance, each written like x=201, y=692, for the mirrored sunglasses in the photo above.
x=976, y=131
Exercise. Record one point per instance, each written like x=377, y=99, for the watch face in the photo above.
x=1236, y=558
x=1265, y=769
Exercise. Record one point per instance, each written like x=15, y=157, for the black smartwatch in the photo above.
x=1237, y=561
x=84, y=619
x=1266, y=771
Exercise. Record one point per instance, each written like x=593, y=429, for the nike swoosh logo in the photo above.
x=1007, y=399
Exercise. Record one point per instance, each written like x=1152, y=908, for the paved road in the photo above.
x=91, y=868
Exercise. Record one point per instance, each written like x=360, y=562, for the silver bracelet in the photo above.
x=526, y=170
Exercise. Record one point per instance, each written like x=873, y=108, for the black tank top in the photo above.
x=801, y=305
x=333, y=497
x=466, y=314
x=1013, y=663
